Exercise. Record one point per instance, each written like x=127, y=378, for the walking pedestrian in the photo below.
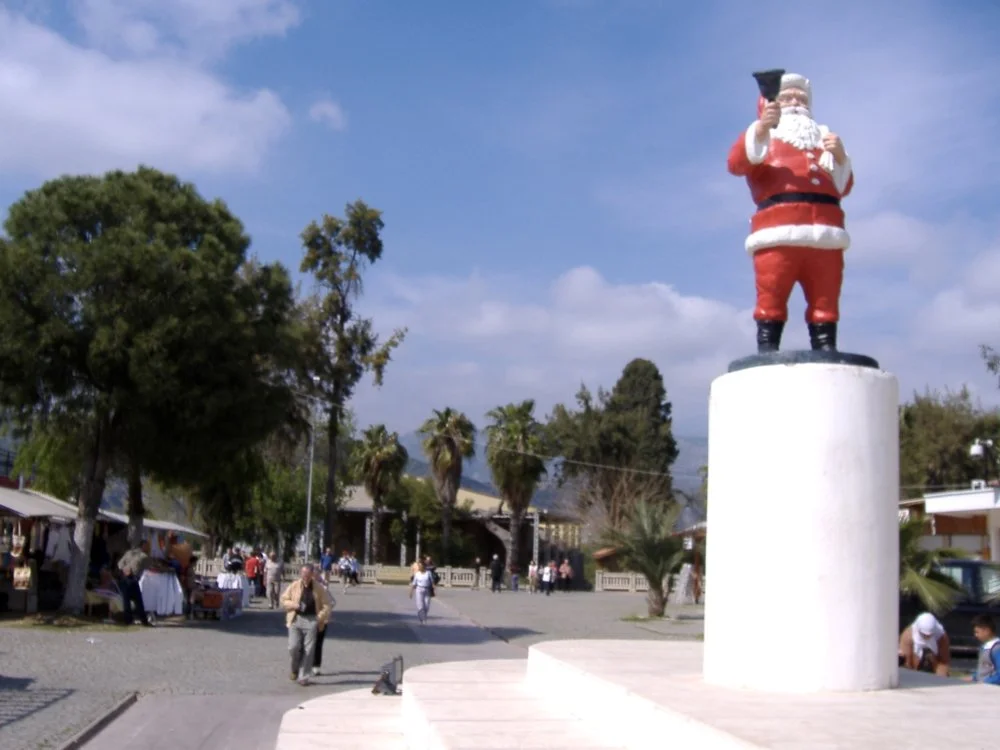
x=250, y=568
x=549, y=575
x=496, y=574
x=422, y=590
x=307, y=604
x=566, y=575
x=321, y=633
x=533, y=577
x=273, y=572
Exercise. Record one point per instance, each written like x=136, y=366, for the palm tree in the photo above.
x=514, y=444
x=919, y=574
x=381, y=461
x=449, y=438
x=646, y=543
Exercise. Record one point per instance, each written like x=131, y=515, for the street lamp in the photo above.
x=979, y=447
x=982, y=449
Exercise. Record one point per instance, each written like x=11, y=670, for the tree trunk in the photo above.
x=446, y=513
x=330, y=519
x=376, y=525
x=86, y=517
x=656, y=600
x=136, y=508
x=514, y=544
x=450, y=495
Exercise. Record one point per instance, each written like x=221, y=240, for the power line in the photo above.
x=607, y=467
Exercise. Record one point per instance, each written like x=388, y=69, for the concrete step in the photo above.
x=485, y=705
x=353, y=720
x=640, y=693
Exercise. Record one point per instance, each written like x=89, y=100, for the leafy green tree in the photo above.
x=381, y=461
x=449, y=439
x=628, y=429
x=341, y=345
x=277, y=511
x=130, y=327
x=646, y=543
x=515, y=444
x=52, y=460
x=919, y=574
x=935, y=433
x=416, y=497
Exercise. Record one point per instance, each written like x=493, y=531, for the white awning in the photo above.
x=30, y=504
x=962, y=502
x=150, y=523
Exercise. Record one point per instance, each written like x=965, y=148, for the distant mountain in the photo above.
x=693, y=454
x=475, y=473
x=419, y=468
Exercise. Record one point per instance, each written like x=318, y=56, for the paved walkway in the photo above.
x=220, y=685
x=524, y=619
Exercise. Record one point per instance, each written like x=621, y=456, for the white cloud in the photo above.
x=330, y=113
x=543, y=343
x=580, y=328
x=77, y=109
x=186, y=27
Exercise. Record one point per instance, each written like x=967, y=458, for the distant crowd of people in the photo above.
x=548, y=577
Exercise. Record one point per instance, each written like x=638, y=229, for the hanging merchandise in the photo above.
x=22, y=578
x=17, y=542
x=58, y=547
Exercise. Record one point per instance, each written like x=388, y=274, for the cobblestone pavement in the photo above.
x=214, y=685
x=524, y=619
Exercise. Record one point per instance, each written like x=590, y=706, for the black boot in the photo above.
x=823, y=337
x=769, y=335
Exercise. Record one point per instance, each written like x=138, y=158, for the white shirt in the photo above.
x=422, y=580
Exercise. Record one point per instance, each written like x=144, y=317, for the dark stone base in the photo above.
x=800, y=357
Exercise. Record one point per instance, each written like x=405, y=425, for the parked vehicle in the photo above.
x=980, y=582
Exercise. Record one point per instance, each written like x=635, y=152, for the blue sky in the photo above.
x=552, y=172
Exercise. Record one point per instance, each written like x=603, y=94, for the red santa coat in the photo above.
x=778, y=168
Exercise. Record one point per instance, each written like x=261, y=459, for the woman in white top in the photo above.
x=548, y=574
x=422, y=589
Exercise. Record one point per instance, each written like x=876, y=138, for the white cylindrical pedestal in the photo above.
x=802, y=563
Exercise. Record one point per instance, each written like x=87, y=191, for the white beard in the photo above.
x=797, y=128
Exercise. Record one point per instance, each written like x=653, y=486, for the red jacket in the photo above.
x=783, y=169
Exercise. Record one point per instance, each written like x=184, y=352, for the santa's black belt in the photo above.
x=774, y=200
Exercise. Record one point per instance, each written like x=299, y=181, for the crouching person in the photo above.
x=925, y=646
x=307, y=606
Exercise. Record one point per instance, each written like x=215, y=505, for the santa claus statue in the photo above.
x=798, y=172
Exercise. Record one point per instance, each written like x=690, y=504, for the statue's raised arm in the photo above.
x=798, y=173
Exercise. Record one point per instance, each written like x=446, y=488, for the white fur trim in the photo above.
x=819, y=236
x=842, y=174
x=795, y=81
x=756, y=151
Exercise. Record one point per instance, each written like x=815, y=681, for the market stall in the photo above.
x=235, y=581
x=35, y=533
x=162, y=593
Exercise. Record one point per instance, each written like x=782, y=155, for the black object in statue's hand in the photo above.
x=769, y=83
